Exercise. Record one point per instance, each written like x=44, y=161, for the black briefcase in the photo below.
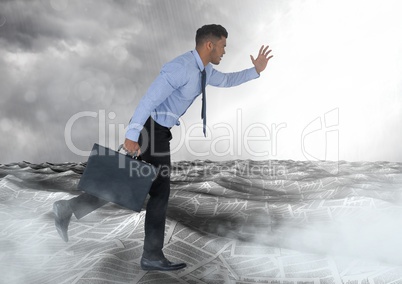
x=117, y=177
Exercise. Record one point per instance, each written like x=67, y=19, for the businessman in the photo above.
x=148, y=134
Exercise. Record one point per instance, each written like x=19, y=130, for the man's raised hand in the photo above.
x=262, y=59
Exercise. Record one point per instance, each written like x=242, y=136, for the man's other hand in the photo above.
x=131, y=147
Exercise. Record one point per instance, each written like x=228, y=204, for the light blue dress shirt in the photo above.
x=175, y=89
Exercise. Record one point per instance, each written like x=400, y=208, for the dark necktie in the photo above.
x=204, y=102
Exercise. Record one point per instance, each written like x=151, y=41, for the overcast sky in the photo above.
x=72, y=72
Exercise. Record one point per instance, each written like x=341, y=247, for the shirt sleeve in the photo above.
x=171, y=77
x=219, y=79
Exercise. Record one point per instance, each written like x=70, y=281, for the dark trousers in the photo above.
x=155, y=149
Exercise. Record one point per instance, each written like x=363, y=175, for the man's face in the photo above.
x=218, y=50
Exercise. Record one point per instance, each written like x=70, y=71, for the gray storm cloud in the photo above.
x=63, y=57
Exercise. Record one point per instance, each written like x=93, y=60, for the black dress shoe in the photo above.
x=162, y=264
x=62, y=212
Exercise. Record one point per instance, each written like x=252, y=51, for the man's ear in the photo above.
x=209, y=45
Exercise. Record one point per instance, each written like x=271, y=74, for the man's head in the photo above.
x=210, y=42
x=210, y=32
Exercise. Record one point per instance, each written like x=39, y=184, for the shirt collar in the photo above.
x=198, y=59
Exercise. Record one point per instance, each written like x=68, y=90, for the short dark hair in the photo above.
x=207, y=31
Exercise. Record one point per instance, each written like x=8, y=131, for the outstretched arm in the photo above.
x=262, y=59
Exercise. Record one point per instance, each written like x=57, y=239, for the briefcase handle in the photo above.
x=133, y=156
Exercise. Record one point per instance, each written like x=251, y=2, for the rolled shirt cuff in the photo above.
x=133, y=134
